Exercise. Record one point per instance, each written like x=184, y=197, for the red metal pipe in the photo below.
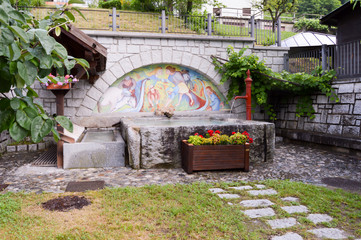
x=248, y=96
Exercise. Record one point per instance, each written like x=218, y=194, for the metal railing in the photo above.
x=344, y=58
x=102, y=19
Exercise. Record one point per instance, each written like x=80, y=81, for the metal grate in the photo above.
x=47, y=159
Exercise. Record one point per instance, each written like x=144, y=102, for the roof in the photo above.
x=307, y=39
x=332, y=18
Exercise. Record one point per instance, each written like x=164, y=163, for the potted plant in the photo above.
x=216, y=151
x=58, y=82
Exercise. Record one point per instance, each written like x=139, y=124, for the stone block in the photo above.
x=186, y=59
x=357, y=107
x=278, y=61
x=346, y=88
x=122, y=46
x=330, y=233
x=322, y=128
x=113, y=57
x=347, y=98
x=157, y=57
x=181, y=43
x=271, y=53
x=11, y=148
x=89, y=102
x=256, y=203
x=308, y=126
x=241, y=188
x=268, y=61
x=210, y=51
x=41, y=146
x=146, y=48
x=228, y=195
x=322, y=99
x=290, y=199
x=204, y=66
x=79, y=93
x=196, y=61
x=262, y=192
x=334, y=119
x=136, y=61
x=164, y=42
x=295, y=209
x=334, y=129
x=137, y=41
x=110, y=76
x=133, y=49
x=94, y=154
x=126, y=64
x=351, y=131
x=33, y=147
x=70, y=111
x=288, y=236
x=319, y=218
x=261, y=212
x=94, y=93
x=340, y=109
x=177, y=57
x=22, y=148
x=216, y=190
x=105, y=40
x=357, y=88
x=348, y=120
x=282, y=223
x=101, y=85
x=146, y=58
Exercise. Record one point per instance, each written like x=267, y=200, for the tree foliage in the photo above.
x=28, y=53
x=306, y=24
x=276, y=8
x=321, y=7
x=265, y=81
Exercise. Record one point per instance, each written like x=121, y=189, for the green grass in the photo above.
x=172, y=212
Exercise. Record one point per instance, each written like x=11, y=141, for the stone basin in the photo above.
x=155, y=142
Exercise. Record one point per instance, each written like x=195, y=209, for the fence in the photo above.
x=344, y=58
x=103, y=19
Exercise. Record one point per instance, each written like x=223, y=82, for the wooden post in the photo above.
x=60, y=112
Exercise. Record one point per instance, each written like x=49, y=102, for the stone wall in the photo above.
x=336, y=124
x=129, y=51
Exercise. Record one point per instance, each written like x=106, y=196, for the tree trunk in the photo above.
x=189, y=6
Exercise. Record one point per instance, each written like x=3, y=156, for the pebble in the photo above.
x=292, y=161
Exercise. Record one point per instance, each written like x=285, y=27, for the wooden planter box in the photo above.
x=214, y=157
x=53, y=86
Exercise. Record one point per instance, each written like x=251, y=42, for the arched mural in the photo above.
x=158, y=86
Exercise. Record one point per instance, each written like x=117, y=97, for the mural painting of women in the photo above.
x=215, y=101
x=180, y=88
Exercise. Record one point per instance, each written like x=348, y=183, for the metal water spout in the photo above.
x=248, y=82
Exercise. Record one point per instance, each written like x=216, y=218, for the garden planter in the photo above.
x=214, y=157
x=53, y=86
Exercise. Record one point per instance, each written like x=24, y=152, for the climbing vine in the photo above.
x=265, y=81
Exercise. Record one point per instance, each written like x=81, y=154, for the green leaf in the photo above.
x=20, y=33
x=17, y=16
x=76, y=2
x=27, y=72
x=57, y=31
x=7, y=116
x=31, y=112
x=18, y=92
x=65, y=123
x=70, y=15
x=31, y=92
x=46, y=41
x=15, y=51
x=40, y=128
x=60, y=50
x=55, y=134
x=6, y=80
x=80, y=13
x=23, y=119
x=12, y=67
x=84, y=63
x=7, y=36
x=17, y=132
x=4, y=18
x=15, y=103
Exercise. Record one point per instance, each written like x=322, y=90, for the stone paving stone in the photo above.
x=295, y=209
x=261, y=212
x=318, y=218
x=260, y=186
x=288, y=236
x=282, y=223
x=216, y=190
x=262, y=192
x=227, y=195
x=330, y=233
x=229, y=203
x=290, y=199
x=242, y=188
x=256, y=203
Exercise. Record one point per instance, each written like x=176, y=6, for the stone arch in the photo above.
x=127, y=64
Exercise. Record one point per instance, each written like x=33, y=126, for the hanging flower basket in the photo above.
x=53, y=86
x=216, y=152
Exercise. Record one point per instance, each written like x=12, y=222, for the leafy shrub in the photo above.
x=305, y=24
x=28, y=3
x=110, y=4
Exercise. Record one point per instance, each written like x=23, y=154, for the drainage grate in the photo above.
x=84, y=186
x=343, y=183
x=47, y=159
x=3, y=186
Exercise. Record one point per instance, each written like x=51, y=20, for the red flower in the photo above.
x=233, y=133
x=196, y=134
x=201, y=136
x=210, y=131
x=250, y=140
x=246, y=133
x=217, y=131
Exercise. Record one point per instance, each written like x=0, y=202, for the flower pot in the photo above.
x=214, y=157
x=53, y=86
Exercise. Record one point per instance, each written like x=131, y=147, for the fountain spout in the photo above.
x=248, y=82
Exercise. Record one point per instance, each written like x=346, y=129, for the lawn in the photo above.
x=172, y=212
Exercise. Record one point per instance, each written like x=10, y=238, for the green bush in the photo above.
x=305, y=24
x=110, y=4
x=28, y=3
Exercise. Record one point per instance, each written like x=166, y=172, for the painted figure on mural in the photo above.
x=128, y=94
x=180, y=87
x=215, y=101
x=153, y=97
